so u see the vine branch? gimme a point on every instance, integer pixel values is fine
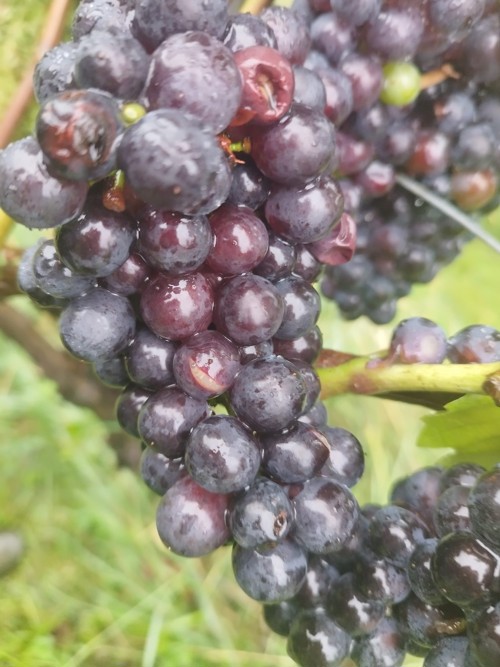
(406, 382)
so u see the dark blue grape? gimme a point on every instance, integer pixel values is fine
(270, 573)
(190, 519)
(54, 278)
(315, 640)
(97, 242)
(149, 154)
(158, 472)
(268, 394)
(166, 419)
(54, 72)
(221, 455)
(294, 456)
(260, 514)
(149, 360)
(97, 325)
(30, 195)
(325, 515)
(155, 20)
(193, 72)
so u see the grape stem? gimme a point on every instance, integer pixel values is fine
(448, 209)
(362, 376)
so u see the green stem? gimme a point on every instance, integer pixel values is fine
(355, 377)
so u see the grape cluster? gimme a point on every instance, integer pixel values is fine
(419, 576)
(194, 207)
(372, 58)
(200, 169)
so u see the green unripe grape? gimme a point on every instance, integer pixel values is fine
(131, 112)
(401, 83)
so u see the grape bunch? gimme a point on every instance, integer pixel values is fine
(201, 169)
(412, 88)
(194, 207)
(419, 576)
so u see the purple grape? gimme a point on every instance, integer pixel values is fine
(249, 187)
(332, 35)
(291, 32)
(245, 30)
(319, 580)
(248, 309)
(149, 155)
(221, 455)
(395, 34)
(149, 360)
(128, 406)
(172, 242)
(279, 259)
(206, 364)
(325, 515)
(251, 352)
(297, 149)
(305, 215)
(315, 640)
(111, 61)
(420, 573)
(309, 89)
(379, 580)
(30, 195)
(272, 572)
(160, 473)
(476, 344)
(166, 419)
(112, 372)
(294, 456)
(78, 132)
(53, 277)
(448, 652)
(354, 614)
(465, 571)
(97, 325)
(305, 348)
(384, 647)
(155, 20)
(418, 340)
(101, 15)
(461, 474)
(54, 72)
(306, 265)
(176, 308)
(302, 307)
(346, 460)
(190, 519)
(268, 394)
(339, 94)
(424, 625)
(129, 278)
(260, 514)
(27, 281)
(97, 242)
(394, 534)
(194, 73)
(451, 512)
(240, 242)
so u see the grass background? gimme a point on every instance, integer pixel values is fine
(95, 586)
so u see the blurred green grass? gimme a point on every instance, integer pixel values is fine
(96, 587)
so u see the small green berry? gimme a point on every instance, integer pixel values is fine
(401, 83)
(132, 112)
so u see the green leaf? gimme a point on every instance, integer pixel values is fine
(469, 425)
